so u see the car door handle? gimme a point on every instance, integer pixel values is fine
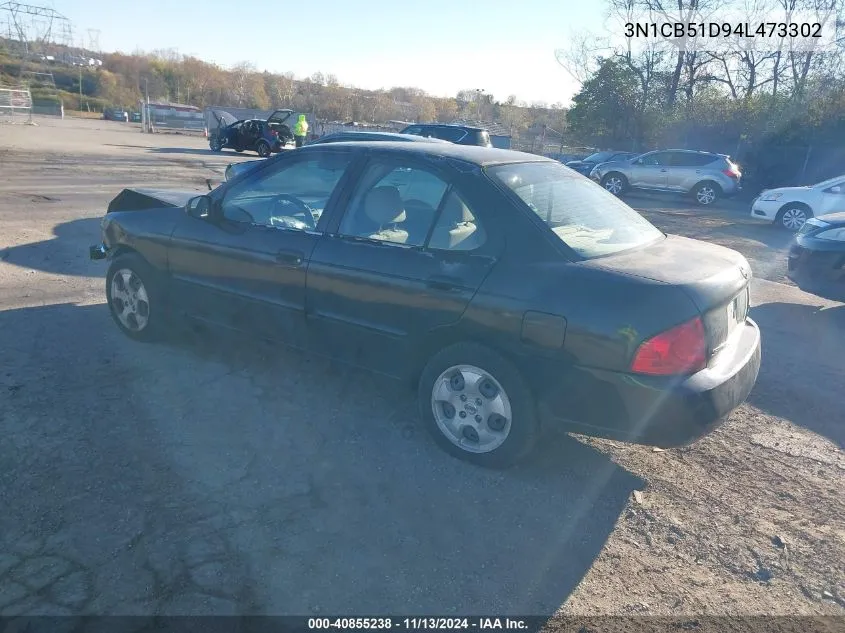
(292, 258)
(441, 282)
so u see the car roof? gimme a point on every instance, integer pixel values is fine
(386, 135)
(454, 125)
(474, 154)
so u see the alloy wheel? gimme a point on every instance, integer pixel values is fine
(130, 301)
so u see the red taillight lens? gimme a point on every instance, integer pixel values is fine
(681, 350)
(731, 173)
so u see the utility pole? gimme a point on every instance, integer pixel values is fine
(80, 89)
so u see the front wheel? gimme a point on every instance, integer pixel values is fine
(793, 217)
(477, 407)
(133, 299)
(615, 183)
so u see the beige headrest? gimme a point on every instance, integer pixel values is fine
(383, 205)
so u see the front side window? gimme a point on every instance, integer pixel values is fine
(585, 217)
(291, 195)
(394, 203)
(655, 160)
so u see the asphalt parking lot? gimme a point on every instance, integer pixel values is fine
(216, 476)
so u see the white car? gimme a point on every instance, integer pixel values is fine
(790, 207)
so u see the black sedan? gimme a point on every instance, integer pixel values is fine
(514, 294)
(817, 256)
(585, 165)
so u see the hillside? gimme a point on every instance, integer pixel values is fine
(123, 80)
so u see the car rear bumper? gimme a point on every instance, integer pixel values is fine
(659, 411)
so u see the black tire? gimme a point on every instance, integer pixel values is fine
(792, 216)
(615, 183)
(263, 149)
(154, 310)
(239, 149)
(216, 145)
(706, 193)
(524, 424)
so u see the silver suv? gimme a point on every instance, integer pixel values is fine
(705, 175)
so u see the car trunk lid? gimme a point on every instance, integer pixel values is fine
(715, 278)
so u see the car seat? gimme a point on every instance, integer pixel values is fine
(383, 206)
(456, 229)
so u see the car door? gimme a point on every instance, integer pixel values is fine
(831, 199)
(244, 266)
(405, 258)
(650, 171)
(682, 168)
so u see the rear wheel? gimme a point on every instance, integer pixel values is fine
(706, 193)
(216, 145)
(792, 217)
(615, 183)
(477, 407)
(263, 149)
(133, 297)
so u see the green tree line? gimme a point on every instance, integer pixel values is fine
(777, 107)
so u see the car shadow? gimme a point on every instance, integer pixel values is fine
(64, 254)
(314, 481)
(803, 348)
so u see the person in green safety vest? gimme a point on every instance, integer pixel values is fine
(300, 130)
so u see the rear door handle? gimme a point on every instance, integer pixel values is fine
(291, 258)
(442, 282)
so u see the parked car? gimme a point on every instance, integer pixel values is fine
(135, 117)
(263, 136)
(115, 114)
(790, 207)
(513, 293)
(585, 165)
(817, 256)
(704, 175)
(339, 137)
(459, 134)
(236, 169)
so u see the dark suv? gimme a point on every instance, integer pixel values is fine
(459, 134)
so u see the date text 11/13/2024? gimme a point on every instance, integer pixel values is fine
(419, 623)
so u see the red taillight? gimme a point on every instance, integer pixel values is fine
(681, 350)
(732, 173)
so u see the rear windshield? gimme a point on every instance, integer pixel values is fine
(585, 217)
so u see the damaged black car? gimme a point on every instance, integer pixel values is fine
(263, 136)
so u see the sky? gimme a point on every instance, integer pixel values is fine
(502, 47)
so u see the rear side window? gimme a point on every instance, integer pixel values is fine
(416, 130)
(585, 217)
(452, 134)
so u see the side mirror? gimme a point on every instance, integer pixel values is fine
(199, 207)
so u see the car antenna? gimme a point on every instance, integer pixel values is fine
(208, 182)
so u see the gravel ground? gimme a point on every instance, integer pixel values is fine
(212, 475)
